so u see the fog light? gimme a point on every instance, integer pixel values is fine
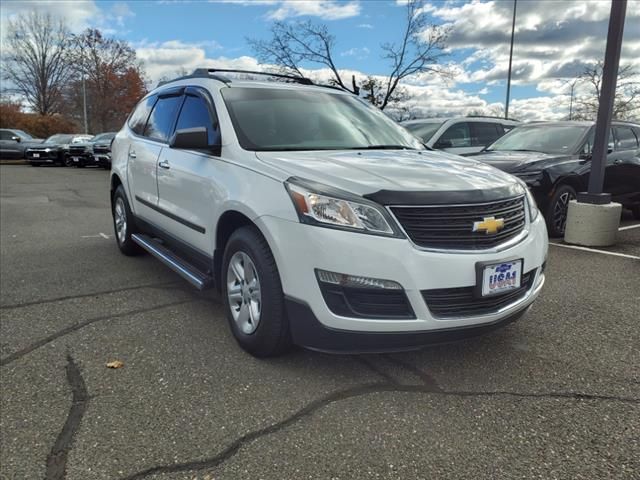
(355, 281)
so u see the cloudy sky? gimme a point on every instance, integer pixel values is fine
(554, 40)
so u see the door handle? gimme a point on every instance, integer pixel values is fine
(164, 164)
(132, 154)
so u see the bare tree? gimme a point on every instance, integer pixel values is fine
(374, 91)
(292, 44)
(626, 103)
(37, 65)
(419, 51)
(103, 63)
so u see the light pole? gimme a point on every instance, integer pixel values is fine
(593, 219)
(513, 32)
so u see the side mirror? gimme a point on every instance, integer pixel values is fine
(610, 148)
(196, 138)
(16, 139)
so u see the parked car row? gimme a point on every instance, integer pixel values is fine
(62, 149)
(552, 158)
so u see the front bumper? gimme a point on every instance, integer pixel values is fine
(300, 249)
(42, 156)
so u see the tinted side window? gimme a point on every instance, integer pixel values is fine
(160, 123)
(485, 134)
(138, 119)
(195, 113)
(588, 146)
(625, 139)
(457, 135)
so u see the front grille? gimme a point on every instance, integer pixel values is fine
(101, 149)
(451, 226)
(366, 302)
(75, 150)
(462, 301)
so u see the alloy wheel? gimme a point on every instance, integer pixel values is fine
(120, 219)
(244, 293)
(560, 210)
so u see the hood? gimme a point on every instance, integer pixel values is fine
(363, 172)
(511, 161)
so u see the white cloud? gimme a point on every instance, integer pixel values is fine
(359, 53)
(325, 9)
(365, 25)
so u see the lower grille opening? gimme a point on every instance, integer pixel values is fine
(347, 300)
(462, 302)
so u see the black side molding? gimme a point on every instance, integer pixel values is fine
(392, 197)
(178, 219)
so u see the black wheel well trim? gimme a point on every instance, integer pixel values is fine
(115, 182)
(573, 181)
(229, 222)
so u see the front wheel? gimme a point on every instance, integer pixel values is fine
(252, 294)
(556, 215)
(68, 162)
(124, 224)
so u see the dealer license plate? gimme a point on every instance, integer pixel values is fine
(501, 277)
(36, 155)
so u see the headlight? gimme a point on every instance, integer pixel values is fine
(321, 205)
(47, 150)
(531, 202)
(530, 178)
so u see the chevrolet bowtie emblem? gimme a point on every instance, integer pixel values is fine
(489, 225)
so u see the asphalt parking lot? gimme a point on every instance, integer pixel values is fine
(555, 395)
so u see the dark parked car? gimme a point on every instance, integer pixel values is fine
(79, 152)
(53, 150)
(102, 149)
(554, 160)
(13, 143)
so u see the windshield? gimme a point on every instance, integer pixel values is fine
(541, 138)
(23, 135)
(58, 138)
(424, 130)
(103, 137)
(273, 119)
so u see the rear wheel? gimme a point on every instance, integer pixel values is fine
(124, 224)
(253, 296)
(636, 212)
(556, 215)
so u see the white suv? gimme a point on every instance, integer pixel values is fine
(460, 135)
(322, 222)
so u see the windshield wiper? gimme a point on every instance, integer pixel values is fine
(382, 147)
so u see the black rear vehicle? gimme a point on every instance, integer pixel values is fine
(51, 151)
(102, 149)
(554, 160)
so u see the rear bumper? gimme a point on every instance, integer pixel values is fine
(308, 332)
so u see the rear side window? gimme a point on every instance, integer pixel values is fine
(457, 135)
(195, 113)
(625, 139)
(163, 116)
(138, 118)
(485, 133)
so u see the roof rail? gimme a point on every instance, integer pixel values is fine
(197, 73)
(295, 78)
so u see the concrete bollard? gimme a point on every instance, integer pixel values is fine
(592, 225)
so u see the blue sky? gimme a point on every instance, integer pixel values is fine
(554, 40)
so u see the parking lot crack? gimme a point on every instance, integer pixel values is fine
(77, 326)
(57, 458)
(353, 392)
(85, 295)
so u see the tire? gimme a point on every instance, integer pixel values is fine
(121, 211)
(258, 323)
(636, 211)
(556, 215)
(68, 162)
(35, 164)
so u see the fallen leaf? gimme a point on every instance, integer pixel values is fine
(115, 364)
